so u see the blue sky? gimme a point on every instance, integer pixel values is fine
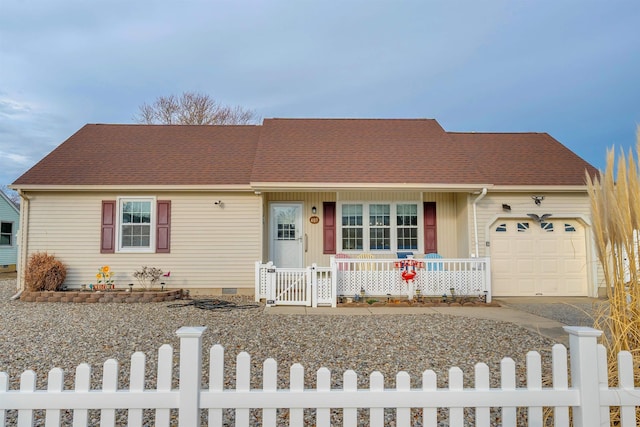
(570, 68)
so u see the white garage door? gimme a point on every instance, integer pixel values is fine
(545, 258)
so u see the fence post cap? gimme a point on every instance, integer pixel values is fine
(582, 331)
(191, 331)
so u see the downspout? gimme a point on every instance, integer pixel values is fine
(475, 221)
(22, 242)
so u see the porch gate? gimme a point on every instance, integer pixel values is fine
(308, 286)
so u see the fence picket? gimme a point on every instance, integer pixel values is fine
(269, 383)
(165, 373)
(403, 415)
(323, 415)
(376, 384)
(534, 382)
(560, 380)
(429, 383)
(243, 383)
(350, 384)
(216, 381)
(456, 383)
(296, 375)
(109, 384)
(55, 384)
(83, 376)
(625, 382)
(4, 387)
(27, 384)
(136, 383)
(603, 378)
(508, 383)
(482, 384)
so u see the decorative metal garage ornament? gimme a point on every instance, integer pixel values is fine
(537, 218)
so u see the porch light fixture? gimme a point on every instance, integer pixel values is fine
(218, 203)
(506, 207)
(537, 199)
(314, 210)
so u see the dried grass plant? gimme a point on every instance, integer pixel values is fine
(615, 214)
(44, 273)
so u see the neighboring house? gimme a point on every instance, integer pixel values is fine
(206, 202)
(9, 221)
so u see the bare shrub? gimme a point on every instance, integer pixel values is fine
(44, 273)
(147, 277)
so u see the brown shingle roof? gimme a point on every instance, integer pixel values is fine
(360, 151)
(149, 155)
(393, 151)
(523, 159)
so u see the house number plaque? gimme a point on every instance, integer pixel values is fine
(314, 220)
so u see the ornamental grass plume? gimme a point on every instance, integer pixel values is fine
(615, 214)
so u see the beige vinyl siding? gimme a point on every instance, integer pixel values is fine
(462, 225)
(211, 246)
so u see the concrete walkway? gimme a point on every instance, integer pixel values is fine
(507, 312)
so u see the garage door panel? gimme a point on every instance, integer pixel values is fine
(525, 247)
(524, 287)
(548, 286)
(549, 266)
(525, 267)
(575, 266)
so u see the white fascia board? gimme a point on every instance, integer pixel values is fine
(93, 188)
(539, 188)
(338, 186)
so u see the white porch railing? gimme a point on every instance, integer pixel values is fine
(348, 277)
(433, 276)
(589, 395)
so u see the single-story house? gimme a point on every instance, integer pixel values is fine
(9, 221)
(207, 202)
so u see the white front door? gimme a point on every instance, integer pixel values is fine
(287, 237)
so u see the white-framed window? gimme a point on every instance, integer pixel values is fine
(380, 226)
(136, 224)
(6, 233)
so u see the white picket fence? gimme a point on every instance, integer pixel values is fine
(589, 395)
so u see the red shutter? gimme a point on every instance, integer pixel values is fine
(108, 234)
(329, 227)
(163, 227)
(430, 231)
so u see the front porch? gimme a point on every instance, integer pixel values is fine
(365, 278)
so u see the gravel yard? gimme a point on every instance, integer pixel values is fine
(41, 336)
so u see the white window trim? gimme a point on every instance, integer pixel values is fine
(12, 234)
(153, 225)
(394, 228)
